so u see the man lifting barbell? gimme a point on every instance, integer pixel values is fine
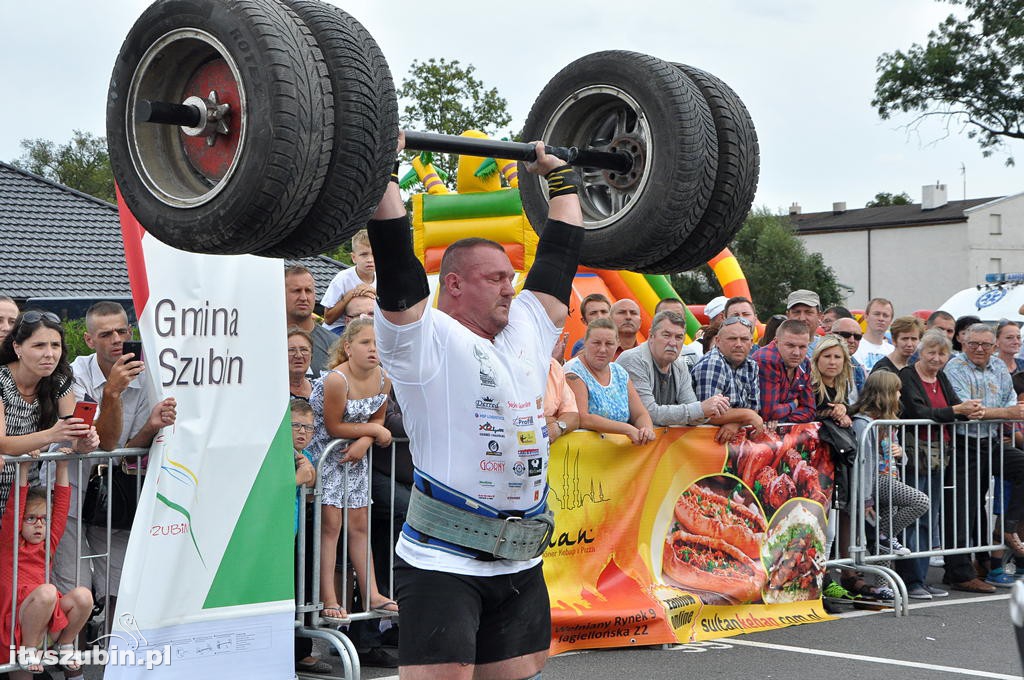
(470, 376)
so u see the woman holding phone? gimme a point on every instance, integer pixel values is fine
(36, 397)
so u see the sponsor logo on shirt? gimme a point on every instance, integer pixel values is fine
(524, 421)
(486, 367)
(515, 485)
(528, 437)
(519, 404)
(544, 431)
(526, 453)
(492, 466)
(538, 482)
(540, 402)
(519, 468)
(514, 498)
(489, 416)
(485, 496)
(485, 483)
(536, 465)
(487, 404)
(493, 449)
(486, 429)
(536, 495)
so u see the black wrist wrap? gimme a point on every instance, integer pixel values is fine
(563, 181)
(558, 256)
(394, 172)
(401, 279)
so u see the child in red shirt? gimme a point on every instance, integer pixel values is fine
(41, 607)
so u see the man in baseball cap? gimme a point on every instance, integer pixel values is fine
(805, 305)
(714, 309)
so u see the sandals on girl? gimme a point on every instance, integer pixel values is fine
(340, 617)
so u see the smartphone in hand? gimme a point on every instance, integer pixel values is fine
(86, 410)
(133, 347)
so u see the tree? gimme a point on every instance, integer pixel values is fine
(884, 198)
(444, 97)
(81, 163)
(969, 74)
(774, 262)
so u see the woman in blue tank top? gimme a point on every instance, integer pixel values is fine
(605, 395)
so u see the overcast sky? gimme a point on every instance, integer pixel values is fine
(804, 68)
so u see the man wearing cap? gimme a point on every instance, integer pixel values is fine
(715, 310)
(805, 305)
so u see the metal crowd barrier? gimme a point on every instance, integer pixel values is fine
(308, 622)
(83, 464)
(961, 452)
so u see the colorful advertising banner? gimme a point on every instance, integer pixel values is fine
(207, 584)
(685, 539)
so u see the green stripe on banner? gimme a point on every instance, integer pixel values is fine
(467, 206)
(663, 289)
(259, 562)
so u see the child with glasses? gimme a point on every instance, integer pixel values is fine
(41, 607)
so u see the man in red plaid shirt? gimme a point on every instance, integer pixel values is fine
(784, 374)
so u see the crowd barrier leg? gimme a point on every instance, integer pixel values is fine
(346, 651)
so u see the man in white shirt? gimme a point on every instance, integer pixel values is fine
(873, 346)
(471, 376)
(127, 418)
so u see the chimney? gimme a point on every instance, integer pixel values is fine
(933, 196)
(795, 209)
(839, 207)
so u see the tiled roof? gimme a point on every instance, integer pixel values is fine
(58, 242)
(884, 217)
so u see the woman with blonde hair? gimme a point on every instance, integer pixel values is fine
(832, 379)
(349, 402)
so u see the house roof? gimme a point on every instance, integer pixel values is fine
(885, 217)
(59, 242)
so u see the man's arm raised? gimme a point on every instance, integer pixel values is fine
(558, 252)
(402, 289)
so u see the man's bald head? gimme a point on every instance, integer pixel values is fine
(850, 331)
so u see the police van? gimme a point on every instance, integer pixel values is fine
(1000, 297)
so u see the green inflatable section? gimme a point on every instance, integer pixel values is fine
(663, 289)
(469, 206)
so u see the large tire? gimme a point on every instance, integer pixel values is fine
(365, 132)
(633, 102)
(255, 184)
(735, 183)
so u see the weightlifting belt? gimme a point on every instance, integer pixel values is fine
(504, 536)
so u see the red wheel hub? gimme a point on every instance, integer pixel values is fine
(213, 162)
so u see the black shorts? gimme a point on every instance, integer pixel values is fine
(451, 618)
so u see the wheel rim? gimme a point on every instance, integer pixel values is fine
(180, 170)
(604, 118)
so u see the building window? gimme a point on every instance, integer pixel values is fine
(995, 225)
(995, 265)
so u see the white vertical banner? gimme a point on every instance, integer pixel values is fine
(207, 585)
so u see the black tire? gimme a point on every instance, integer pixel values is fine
(735, 183)
(660, 204)
(282, 124)
(365, 132)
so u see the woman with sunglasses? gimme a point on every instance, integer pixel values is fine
(37, 396)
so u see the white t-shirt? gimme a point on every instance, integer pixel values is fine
(474, 412)
(868, 353)
(343, 282)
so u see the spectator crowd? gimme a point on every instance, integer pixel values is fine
(811, 365)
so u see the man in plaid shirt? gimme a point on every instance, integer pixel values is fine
(784, 373)
(728, 370)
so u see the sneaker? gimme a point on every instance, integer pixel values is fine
(892, 546)
(1000, 579)
(918, 592)
(936, 591)
(936, 561)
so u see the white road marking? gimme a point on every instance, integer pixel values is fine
(873, 659)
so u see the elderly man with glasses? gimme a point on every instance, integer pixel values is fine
(728, 370)
(977, 374)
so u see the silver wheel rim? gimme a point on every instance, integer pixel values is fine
(156, 151)
(604, 118)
